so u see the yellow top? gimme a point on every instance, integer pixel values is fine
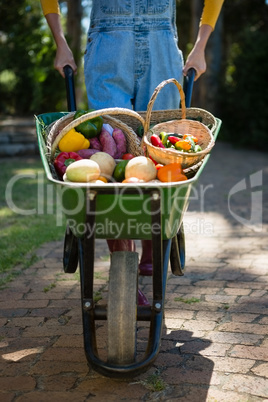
(50, 6)
(210, 13)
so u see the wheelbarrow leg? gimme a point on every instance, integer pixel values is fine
(161, 255)
(177, 253)
(86, 263)
(70, 252)
(127, 366)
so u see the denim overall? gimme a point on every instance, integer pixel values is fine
(131, 48)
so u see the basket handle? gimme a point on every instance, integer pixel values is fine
(154, 96)
(103, 112)
(91, 115)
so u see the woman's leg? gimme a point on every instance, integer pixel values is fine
(146, 265)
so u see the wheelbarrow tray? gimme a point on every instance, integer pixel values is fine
(122, 211)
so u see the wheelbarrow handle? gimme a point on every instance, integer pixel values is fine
(188, 86)
(70, 91)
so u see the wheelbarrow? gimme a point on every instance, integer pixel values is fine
(145, 211)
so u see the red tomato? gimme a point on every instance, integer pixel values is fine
(127, 156)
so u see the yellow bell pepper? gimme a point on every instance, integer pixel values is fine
(73, 142)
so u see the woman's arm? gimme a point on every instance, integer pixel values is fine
(196, 58)
(64, 55)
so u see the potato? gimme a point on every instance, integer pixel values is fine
(106, 163)
(87, 153)
(95, 144)
(108, 143)
(141, 167)
(83, 171)
(121, 143)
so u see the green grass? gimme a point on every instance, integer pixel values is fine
(27, 213)
(187, 301)
(49, 287)
(154, 383)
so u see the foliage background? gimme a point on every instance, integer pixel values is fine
(233, 88)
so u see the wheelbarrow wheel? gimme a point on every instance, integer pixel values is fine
(122, 307)
(177, 253)
(70, 252)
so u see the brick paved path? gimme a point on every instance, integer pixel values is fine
(214, 343)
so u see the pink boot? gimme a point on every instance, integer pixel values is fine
(146, 265)
(142, 300)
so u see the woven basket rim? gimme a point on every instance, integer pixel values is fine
(174, 152)
(131, 136)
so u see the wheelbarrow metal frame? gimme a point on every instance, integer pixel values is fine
(165, 247)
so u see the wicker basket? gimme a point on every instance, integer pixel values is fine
(62, 126)
(183, 126)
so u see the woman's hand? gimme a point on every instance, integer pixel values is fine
(64, 57)
(196, 58)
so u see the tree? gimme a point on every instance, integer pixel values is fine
(243, 94)
(76, 11)
(28, 82)
(74, 28)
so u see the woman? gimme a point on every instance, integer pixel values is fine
(131, 48)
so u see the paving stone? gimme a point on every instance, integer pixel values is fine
(19, 383)
(222, 364)
(205, 348)
(7, 397)
(58, 383)
(247, 384)
(70, 354)
(250, 352)
(195, 325)
(261, 370)
(24, 304)
(237, 292)
(248, 285)
(69, 341)
(215, 395)
(182, 314)
(233, 338)
(52, 330)
(264, 320)
(244, 328)
(202, 376)
(23, 322)
(55, 396)
(209, 316)
(52, 367)
(245, 318)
